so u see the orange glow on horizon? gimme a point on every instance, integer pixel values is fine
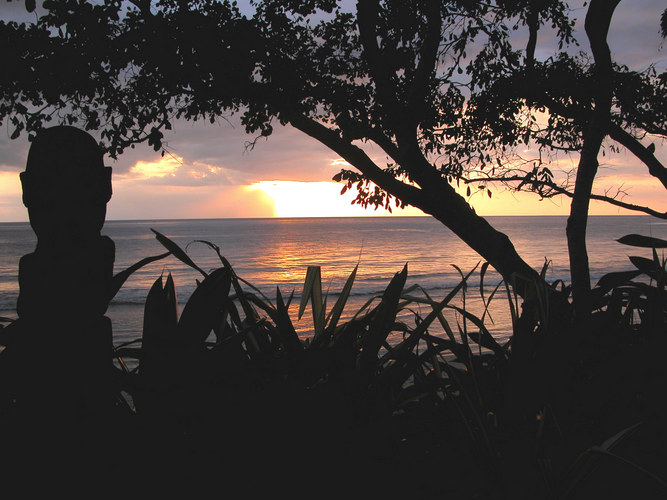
(319, 199)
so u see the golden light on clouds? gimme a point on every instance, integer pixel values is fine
(166, 165)
(339, 162)
(175, 168)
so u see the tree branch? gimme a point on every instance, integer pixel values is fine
(427, 62)
(533, 24)
(560, 190)
(355, 156)
(367, 12)
(655, 168)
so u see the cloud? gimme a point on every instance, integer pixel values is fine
(171, 170)
(634, 35)
(287, 154)
(13, 153)
(134, 201)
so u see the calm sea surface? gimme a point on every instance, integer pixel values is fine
(277, 252)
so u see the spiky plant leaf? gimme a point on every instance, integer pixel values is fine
(402, 353)
(382, 321)
(646, 266)
(201, 312)
(337, 310)
(284, 323)
(280, 316)
(312, 290)
(160, 317)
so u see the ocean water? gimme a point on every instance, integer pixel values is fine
(272, 253)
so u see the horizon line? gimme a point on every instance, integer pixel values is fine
(156, 219)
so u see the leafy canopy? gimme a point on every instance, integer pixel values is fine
(447, 78)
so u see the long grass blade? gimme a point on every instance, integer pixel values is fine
(482, 273)
(177, 251)
(226, 264)
(486, 311)
(485, 338)
(512, 306)
(460, 285)
(119, 279)
(441, 317)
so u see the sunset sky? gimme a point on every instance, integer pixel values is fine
(209, 173)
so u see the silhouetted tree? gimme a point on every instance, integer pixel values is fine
(582, 104)
(439, 86)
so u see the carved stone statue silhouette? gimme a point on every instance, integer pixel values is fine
(66, 188)
(59, 364)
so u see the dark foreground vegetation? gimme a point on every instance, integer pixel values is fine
(228, 396)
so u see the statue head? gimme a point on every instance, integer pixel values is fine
(65, 185)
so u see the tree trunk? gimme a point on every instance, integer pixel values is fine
(577, 222)
(598, 19)
(446, 205)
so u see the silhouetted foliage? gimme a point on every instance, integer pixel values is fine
(436, 404)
